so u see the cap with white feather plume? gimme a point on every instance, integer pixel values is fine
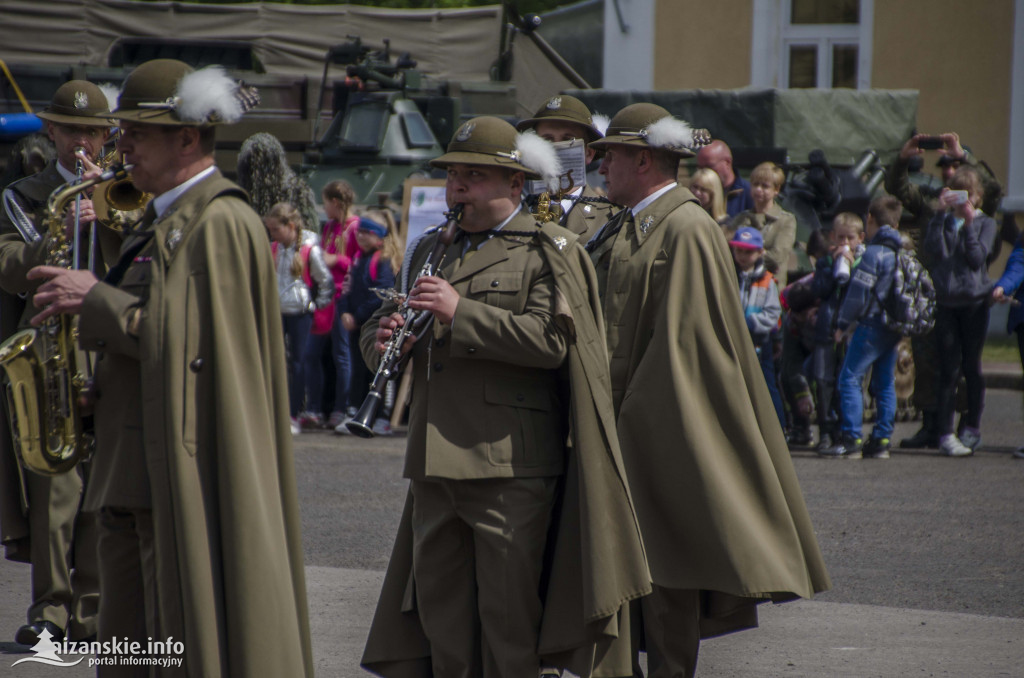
(651, 125)
(488, 140)
(170, 92)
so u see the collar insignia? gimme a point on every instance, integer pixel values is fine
(560, 242)
(465, 132)
(586, 208)
(646, 223)
(81, 100)
(173, 239)
(554, 103)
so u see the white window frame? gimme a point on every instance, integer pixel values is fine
(774, 35)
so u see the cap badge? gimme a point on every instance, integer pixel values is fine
(646, 223)
(554, 103)
(81, 100)
(465, 132)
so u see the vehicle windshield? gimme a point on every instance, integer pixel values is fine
(364, 125)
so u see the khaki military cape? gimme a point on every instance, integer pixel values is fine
(586, 217)
(711, 475)
(229, 569)
(595, 562)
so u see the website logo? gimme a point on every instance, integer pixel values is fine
(161, 653)
(46, 652)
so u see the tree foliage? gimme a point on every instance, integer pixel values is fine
(522, 6)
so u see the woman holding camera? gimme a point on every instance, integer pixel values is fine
(958, 241)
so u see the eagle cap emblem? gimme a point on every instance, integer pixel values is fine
(465, 132)
(554, 103)
(81, 100)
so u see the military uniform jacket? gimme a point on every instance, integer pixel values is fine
(596, 559)
(710, 472)
(197, 311)
(585, 218)
(485, 396)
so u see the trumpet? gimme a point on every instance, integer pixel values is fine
(118, 203)
(416, 322)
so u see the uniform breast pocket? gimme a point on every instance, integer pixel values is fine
(137, 278)
(498, 288)
(531, 412)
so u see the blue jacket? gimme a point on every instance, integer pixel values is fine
(871, 280)
(1011, 281)
(825, 287)
(959, 258)
(759, 296)
(361, 301)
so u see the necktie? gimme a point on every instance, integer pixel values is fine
(141, 235)
(611, 228)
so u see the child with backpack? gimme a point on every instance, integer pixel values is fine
(830, 283)
(300, 266)
(958, 241)
(379, 257)
(872, 344)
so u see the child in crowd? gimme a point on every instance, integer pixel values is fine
(831, 280)
(1009, 290)
(380, 256)
(759, 297)
(298, 265)
(799, 314)
(872, 345)
(958, 241)
(338, 244)
(777, 226)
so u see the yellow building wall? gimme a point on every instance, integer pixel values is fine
(702, 45)
(958, 55)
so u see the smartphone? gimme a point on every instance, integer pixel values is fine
(930, 143)
(958, 197)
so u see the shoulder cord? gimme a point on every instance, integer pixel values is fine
(19, 218)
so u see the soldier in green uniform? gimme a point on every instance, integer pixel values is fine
(193, 477)
(488, 455)
(564, 118)
(721, 512)
(40, 518)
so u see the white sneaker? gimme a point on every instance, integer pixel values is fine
(971, 437)
(951, 446)
(381, 427)
(296, 427)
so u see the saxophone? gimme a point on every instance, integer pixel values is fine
(40, 365)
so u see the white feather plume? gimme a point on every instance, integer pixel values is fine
(601, 122)
(670, 132)
(112, 94)
(208, 95)
(540, 156)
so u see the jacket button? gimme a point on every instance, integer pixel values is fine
(196, 365)
(438, 367)
(471, 350)
(495, 283)
(101, 343)
(439, 342)
(520, 397)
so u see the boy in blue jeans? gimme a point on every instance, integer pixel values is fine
(873, 344)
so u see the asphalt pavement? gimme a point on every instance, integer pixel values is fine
(925, 554)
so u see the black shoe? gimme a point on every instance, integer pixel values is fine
(29, 633)
(926, 438)
(824, 442)
(800, 436)
(848, 447)
(876, 448)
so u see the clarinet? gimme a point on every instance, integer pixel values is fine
(415, 323)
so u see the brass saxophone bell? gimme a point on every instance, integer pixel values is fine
(117, 202)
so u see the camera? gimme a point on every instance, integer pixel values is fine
(930, 143)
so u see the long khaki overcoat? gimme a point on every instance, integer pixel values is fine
(216, 436)
(595, 557)
(711, 476)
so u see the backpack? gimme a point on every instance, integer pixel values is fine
(909, 308)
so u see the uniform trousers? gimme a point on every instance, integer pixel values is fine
(127, 584)
(65, 584)
(668, 621)
(478, 551)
